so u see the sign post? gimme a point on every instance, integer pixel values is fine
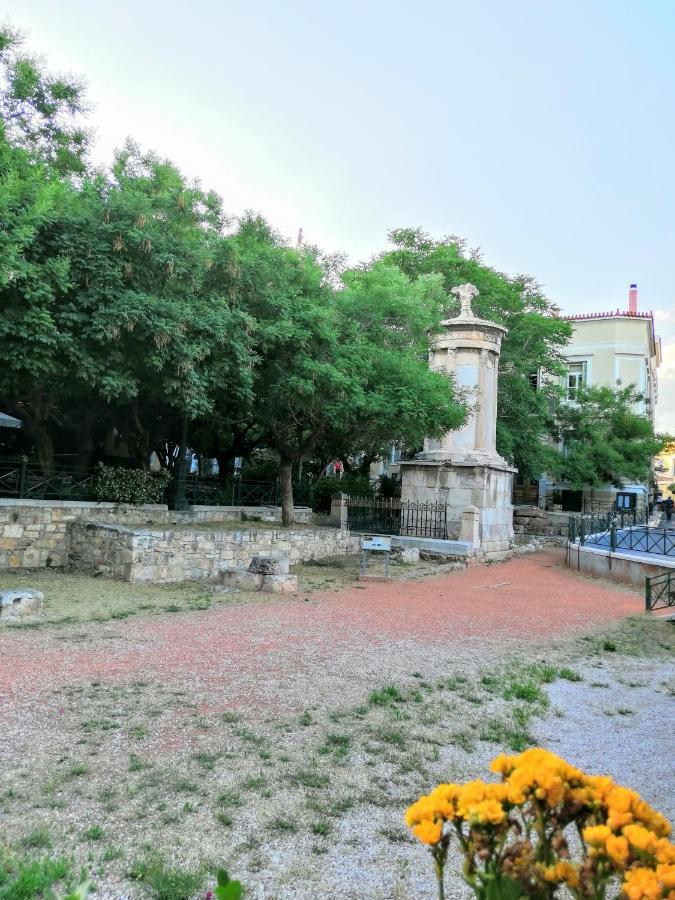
(375, 543)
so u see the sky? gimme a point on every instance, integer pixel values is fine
(542, 131)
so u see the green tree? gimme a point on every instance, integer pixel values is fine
(604, 439)
(531, 350)
(41, 111)
(348, 363)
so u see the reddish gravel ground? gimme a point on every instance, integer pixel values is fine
(289, 651)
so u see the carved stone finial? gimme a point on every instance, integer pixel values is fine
(466, 293)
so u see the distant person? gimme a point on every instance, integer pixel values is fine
(668, 505)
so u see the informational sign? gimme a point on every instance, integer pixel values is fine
(376, 542)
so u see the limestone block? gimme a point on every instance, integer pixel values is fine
(269, 565)
(409, 555)
(23, 604)
(13, 531)
(242, 579)
(280, 584)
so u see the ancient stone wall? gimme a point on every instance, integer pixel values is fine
(35, 534)
(130, 554)
(533, 520)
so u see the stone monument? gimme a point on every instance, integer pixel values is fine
(463, 469)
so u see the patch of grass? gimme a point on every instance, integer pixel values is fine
(624, 711)
(111, 853)
(308, 778)
(305, 720)
(76, 770)
(395, 835)
(254, 783)
(230, 717)
(229, 799)
(94, 833)
(392, 736)
(464, 740)
(25, 879)
(609, 646)
(206, 760)
(386, 696)
(164, 882)
(136, 764)
(224, 819)
(282, 825)
(569, 674)
(321, 827)
(337, 744)
(38, 839)
(511, 733)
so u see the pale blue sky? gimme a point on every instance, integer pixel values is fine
(541, 131)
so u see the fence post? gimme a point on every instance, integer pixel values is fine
(582, 531)
(648, 593)
(612, 537)
(23, 478)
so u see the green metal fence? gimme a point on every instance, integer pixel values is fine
(23, 479)
(659, 591)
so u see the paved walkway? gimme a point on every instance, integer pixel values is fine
(299, 649)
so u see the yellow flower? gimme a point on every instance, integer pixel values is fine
(428, 832)
(642, 884)
(617, 849)
(596, 835)
(487, 812)
(640, 838)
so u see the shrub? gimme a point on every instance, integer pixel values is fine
(116, 485)
(514, 834)
(325, 488)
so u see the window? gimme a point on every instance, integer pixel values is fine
(626, 501)
(576, 379)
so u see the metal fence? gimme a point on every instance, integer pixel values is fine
(659, 591)
(580, 527)
(212, 490)
(23, 479)
(26, 480)
(393, 516)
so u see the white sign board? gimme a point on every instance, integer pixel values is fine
(376, 542)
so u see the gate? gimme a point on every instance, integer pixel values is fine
(659, 591)
(393, 516)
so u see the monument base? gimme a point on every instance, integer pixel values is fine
(461, 483)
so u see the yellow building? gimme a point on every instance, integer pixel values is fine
(608, 348)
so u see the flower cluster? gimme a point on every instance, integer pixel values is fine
(514, 840)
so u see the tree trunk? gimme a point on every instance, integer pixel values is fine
(85, 444)
(286, 479)
(44, 447)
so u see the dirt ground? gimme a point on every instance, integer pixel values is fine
(284, 738)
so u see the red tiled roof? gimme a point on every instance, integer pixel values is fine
(609, 315)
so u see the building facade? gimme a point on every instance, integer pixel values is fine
(608, 348)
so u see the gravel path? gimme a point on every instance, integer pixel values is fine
(248, 734)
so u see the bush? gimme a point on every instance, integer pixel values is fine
(325, 488)
(114, 485)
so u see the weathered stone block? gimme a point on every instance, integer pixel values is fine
(280, 584)
(269, 565)
(23, 604)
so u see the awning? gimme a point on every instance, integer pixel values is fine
(9, 421)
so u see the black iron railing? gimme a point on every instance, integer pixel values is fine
(659, 591)
(393, 516)
(23, 479)
(580, 527)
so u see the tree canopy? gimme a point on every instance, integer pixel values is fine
(129, 301)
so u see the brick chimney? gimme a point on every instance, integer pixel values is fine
(632, 299)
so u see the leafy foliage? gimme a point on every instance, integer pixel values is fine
(534, 342)
(116, 485)
(605, 440)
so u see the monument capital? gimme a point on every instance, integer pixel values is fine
(466, 293)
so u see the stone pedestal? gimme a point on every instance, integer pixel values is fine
(460, 486)
(463, 469)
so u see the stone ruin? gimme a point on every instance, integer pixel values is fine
(269, 574)
(21, 605)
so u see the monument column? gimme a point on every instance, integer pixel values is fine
(463, 469)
